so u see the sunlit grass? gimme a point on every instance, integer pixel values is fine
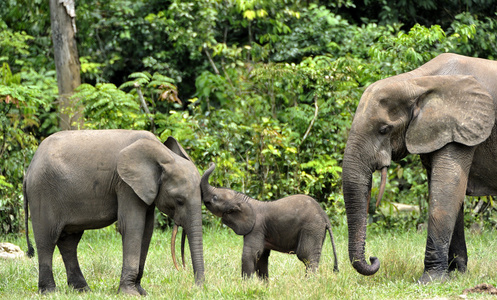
(401, 256)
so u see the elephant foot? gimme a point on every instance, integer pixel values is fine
(430, 276)
(80, 286)
(458, 265)
(46, 289)
(130, 290)
(83, 289)
(141, 290)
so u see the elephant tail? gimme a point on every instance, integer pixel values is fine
(31, 250)
(328, 228)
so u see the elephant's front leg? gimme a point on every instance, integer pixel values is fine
(147, 236)
(262, 265)
(448, 180)
(132, 215)
(458, 254)
(253, 247)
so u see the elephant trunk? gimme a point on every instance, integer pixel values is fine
(204, 181)
(194, 235)
(183, 237)
(207, 189)
(357, 178)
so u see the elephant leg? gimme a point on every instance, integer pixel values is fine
(253, 248)
(458, 254)
(132, 214)
(68, 244)
(147, 236)
(449, 173)
(309, 249)
(262, 265)
(45, 246)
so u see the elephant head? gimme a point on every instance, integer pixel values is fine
(401, 115)
(234, 208)
(167, 177)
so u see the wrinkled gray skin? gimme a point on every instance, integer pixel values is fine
(444, 111)
(81, 180)
(295, 225)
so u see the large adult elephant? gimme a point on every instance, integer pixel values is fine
(444, 111)
(81, 180)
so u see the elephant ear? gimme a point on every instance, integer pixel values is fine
(449, 108)
(173, 145)
(240, 218)
(139, 165)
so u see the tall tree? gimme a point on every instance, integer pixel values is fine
(63, 19)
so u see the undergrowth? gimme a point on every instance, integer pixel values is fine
(401, 255)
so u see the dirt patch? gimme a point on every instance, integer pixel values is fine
(481, 288)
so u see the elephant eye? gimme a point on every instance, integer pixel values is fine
(385, 129)
(214, 198)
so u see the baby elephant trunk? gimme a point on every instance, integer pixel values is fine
(207, 189)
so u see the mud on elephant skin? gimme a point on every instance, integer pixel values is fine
(295, 224)
(444, 111)
(89, 179)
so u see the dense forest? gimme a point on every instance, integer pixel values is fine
(265, 89)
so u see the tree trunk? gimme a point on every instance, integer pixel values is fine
(63, 19)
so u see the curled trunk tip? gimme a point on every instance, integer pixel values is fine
(363, 268)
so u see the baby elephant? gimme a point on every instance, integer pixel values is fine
(295, 225)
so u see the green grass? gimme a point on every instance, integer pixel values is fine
(401, 258)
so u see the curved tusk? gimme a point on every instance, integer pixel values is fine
(382, 185)
(173, 246)
(183, 238)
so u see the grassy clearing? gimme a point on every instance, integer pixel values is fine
(401, 258)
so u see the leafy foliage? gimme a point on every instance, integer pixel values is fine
(108, 107)
(22, 104)
(266, 89)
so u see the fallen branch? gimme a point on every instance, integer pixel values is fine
(211, 61)
(312, 121)
(144, 105)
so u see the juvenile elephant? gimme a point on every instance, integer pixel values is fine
(295, 225)
(445, 111)
(81, 180)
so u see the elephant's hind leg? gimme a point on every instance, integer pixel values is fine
(309, 250)
(45, 246)
(68, 244)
